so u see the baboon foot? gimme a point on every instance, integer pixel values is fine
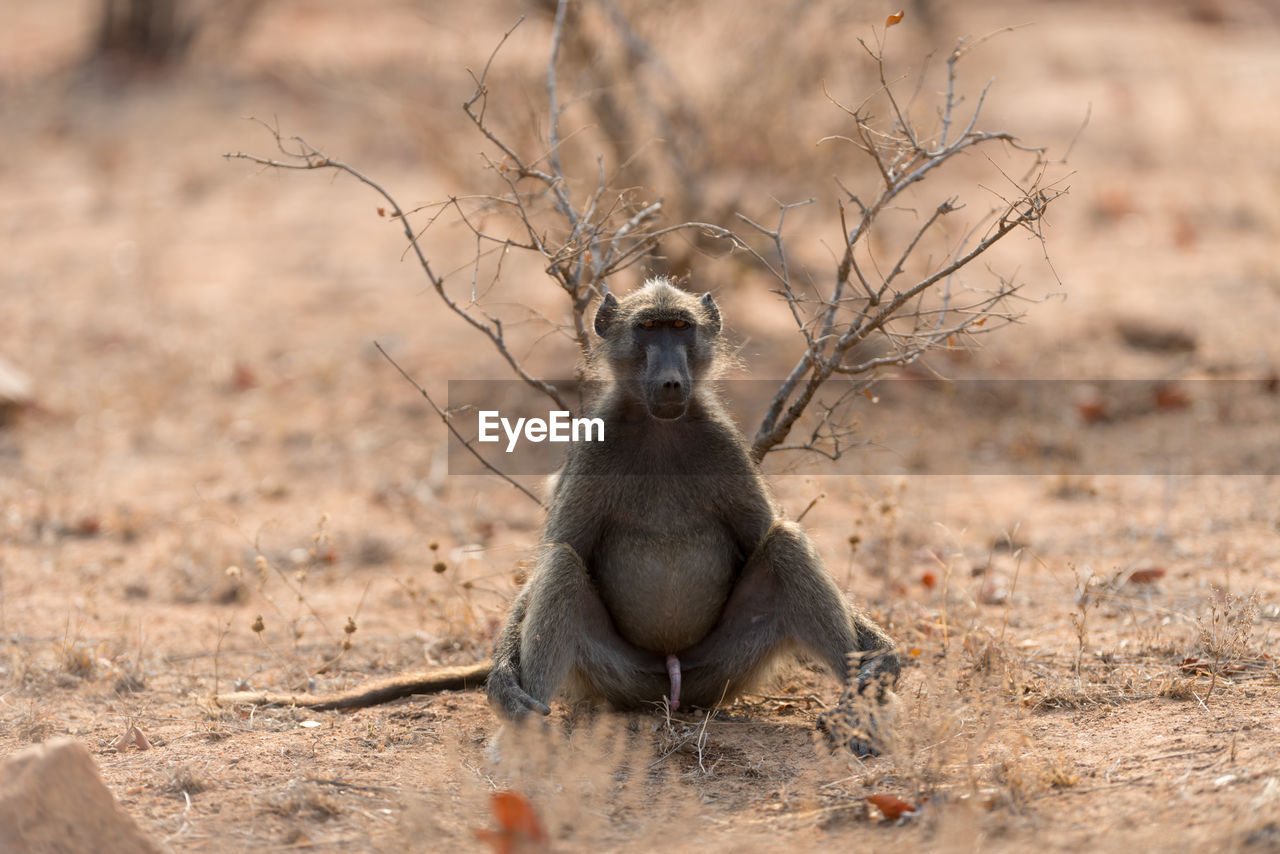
(862, 721)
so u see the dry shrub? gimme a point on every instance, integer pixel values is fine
(602, 777)
(901, 282)
(955, 717)
(185, 779)
(1226, 630)
(78, 658)
(303, 799)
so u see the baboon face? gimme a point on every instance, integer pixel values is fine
(658, 343)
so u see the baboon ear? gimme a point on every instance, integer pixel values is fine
(713, 313)
(605, 314)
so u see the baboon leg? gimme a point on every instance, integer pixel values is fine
(741, 646)
(785, 596)
(815, 613)
(506, 695)
(559, 625)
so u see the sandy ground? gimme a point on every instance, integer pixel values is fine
(213, 439)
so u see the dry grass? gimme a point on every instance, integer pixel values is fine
(185, 779)
(304, 800)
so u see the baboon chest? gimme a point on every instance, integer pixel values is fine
(665, 575)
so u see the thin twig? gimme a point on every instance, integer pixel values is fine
(310, 158)
(448, 422)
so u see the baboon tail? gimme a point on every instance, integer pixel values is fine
(372, 694)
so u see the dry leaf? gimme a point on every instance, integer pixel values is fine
(895, 18)
(519, 829)
(87, 526)
(1147, 576)
(1093, 410)
(929, 579)
(1169, 396)
(892, 806)
(133, 735)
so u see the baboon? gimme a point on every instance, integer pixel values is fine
(665, 568)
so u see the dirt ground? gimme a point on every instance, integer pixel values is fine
(213, 441)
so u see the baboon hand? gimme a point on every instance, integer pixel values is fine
(861, 720)
(511, 700)
(878, 674)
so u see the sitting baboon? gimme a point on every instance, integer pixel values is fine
(665, 569)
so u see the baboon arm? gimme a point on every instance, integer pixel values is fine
(748, 628)
(505, 691)
(559, 624)
(815, 612)
(372, 693)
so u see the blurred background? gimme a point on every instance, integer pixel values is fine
(187, 341)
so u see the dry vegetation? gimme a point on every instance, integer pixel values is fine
(219, 483)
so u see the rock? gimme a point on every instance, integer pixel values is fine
(15, 391)
(1144, 334)
(52, 801)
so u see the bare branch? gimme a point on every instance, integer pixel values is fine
(899, 316)
(870, 317)
(553, 108)
(942, 210)
(310, 158)
(448, 422)
(782, 274)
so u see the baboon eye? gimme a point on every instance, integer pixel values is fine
(679, 324)
(648, 324)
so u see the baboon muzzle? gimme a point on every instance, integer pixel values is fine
(669, 385)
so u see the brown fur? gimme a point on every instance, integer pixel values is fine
(371, 694)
